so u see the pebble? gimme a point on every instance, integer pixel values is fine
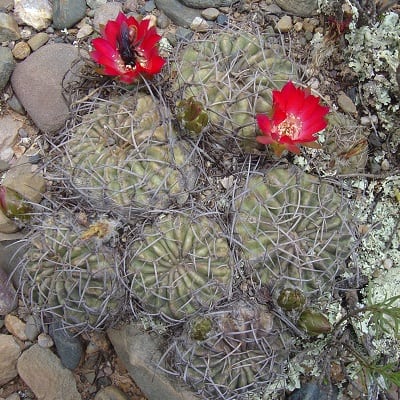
(9, 29)
(284, 24)
(32, 327)
(69, 347)
(21, 50)
(66, 13)
(9, 126)
(163, 21)
(199, 25)
(149, 6)
(93, 4)
(7, 65)
(346, 104)
(208, 3)
(35, 13)
(84, 30)
(110, 393)
(15, 326)
(302, 8)
(8, 295)
(104, 13)
(38, 40)
(10, 351)
(222, 19)
(210, 14)
(45, 340)
(177, 13)
(42, 371)
(16, 105)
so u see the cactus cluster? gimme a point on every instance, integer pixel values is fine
(232, 74)
(176, 258)
(71, 273)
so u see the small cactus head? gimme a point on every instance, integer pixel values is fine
(314, 322)
(179, 266)
(291, 299)
(191, 115)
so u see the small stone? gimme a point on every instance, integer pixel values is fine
(8, 295)
(346, 104)
(302, 8)
(21, 50)
(222, 19)
(298, 26)
(105, 13)
(149, 6)
(66, 13)
(199, 25)
(184, 34)
(32, 327)
(35, 13)
(7, 65)
(208, 3)
(15, 326)
(45, 341)
(385, 166)
(84, 31)
(9, 29)
(93, 4)
(10, 124)
(15, 105)
(163, 21)
(210, 14)
(26, 33)
(285, 24)
(110, 393)
(38, 40)
(10, 351)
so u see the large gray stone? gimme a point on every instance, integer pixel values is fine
(7, 65)
(303, 8)
(178, 13)
(208, 3)
(140, 353)
(37, 82)
(66, 13)
(42, 371)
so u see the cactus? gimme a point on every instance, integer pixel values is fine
(294, 230)
(245, 348)
(123, 158)
(68, 271)
(232, 74)
(179, 266)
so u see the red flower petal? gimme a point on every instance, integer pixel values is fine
(264, 123)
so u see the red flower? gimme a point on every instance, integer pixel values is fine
(297, 117)
(128, 49)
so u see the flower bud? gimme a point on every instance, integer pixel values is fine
(291, 299)
(200, 328)
(314, 322)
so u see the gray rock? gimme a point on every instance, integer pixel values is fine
(15, 326)
(303, 8)
(38, 40)
(149, 6)
(222, 19)
(37, 82)
(42, 371)
(7, 65)
(140, 353)
(163, 21)
(311, 391)
(110, 393)
(346, 103)
(105, 13)
(10, 124)
(69, 347)
(10, 351)
(6, 5)
(32, 327)
(208, 3)
(66, 13)
(8, 28)
(285, 24)
(95, 3)
(8, 295)
(35, 13)
(210, 14)
(16, 105)
(178, 13)
(199, 24)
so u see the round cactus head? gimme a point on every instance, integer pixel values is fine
(123, 157)
(293, 229)
(243, 349)
(231, 76)
(69, 272)
(180, 266)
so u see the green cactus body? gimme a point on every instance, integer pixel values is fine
(68, 272)
(180, 266)
(294, 230)
(232, 75)
(123, 158)
(242, 352)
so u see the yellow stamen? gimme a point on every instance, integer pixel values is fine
(291, 127)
